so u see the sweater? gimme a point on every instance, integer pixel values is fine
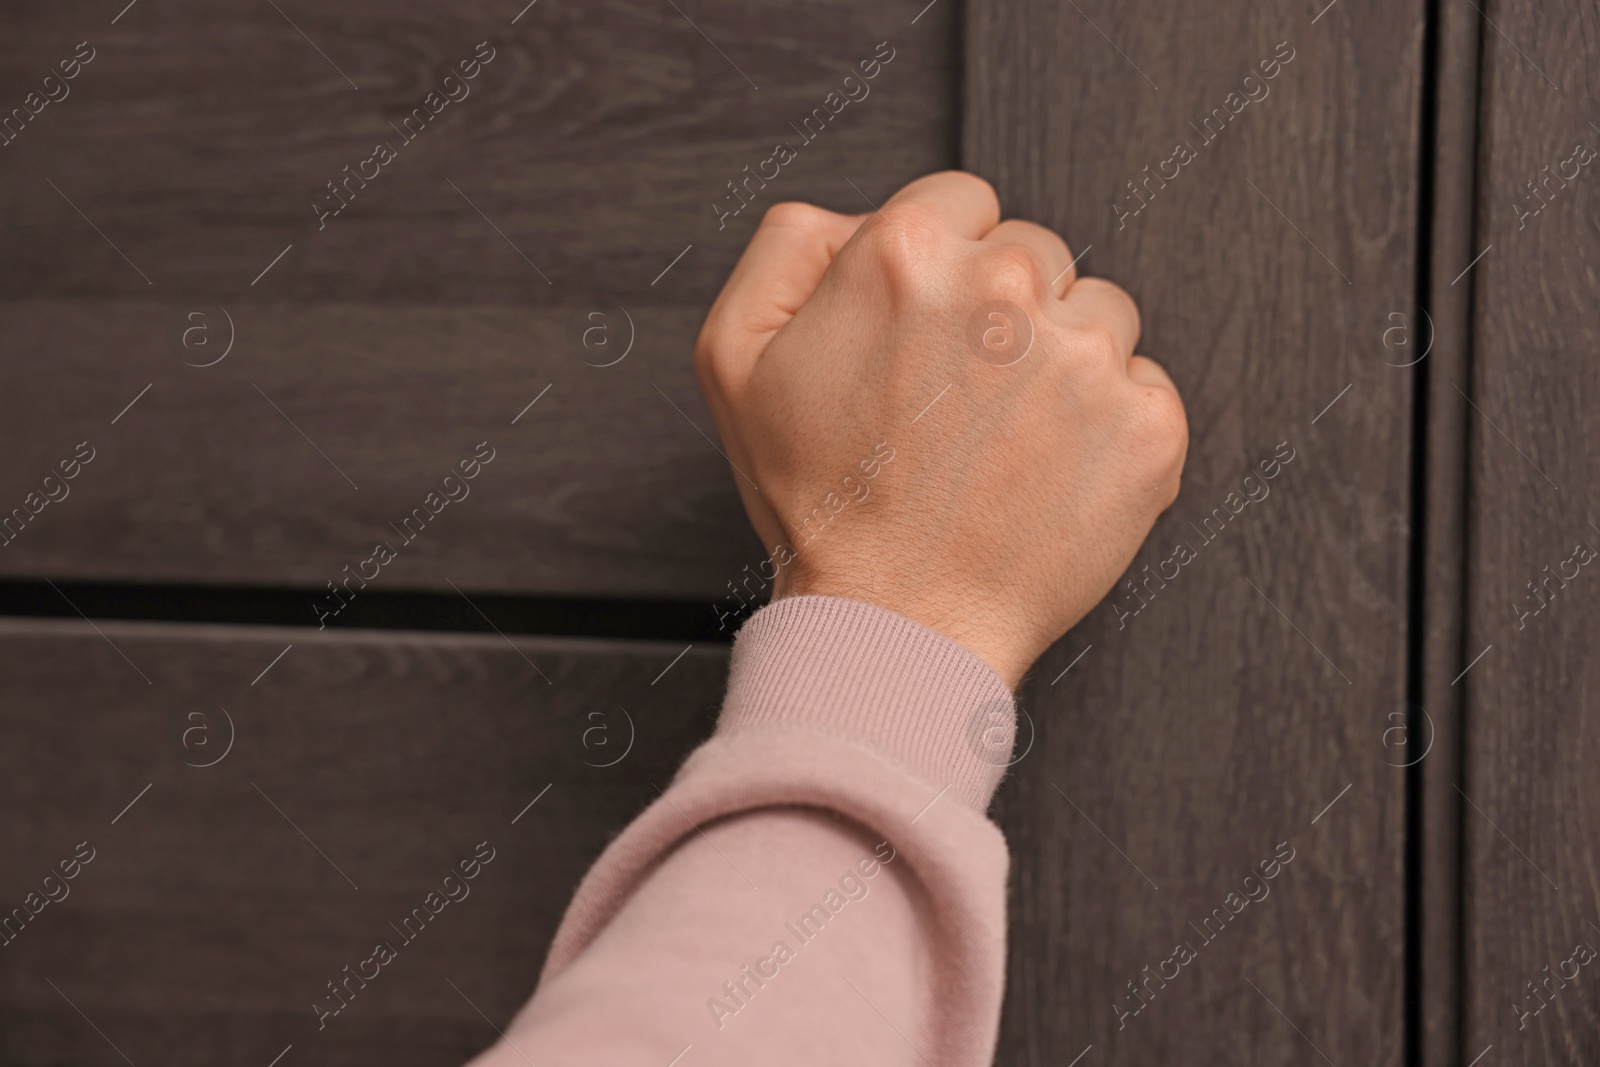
(819, 884)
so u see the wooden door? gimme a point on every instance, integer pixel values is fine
(1527, 797)
(264, 348)
(285, 283)
(1251, 177)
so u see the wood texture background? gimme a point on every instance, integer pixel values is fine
(206, 925)
(408, 330)
(1162, 760)
(1176, 753)
(1533, 744)
(396, 339)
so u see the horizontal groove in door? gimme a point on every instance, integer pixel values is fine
(474, 611)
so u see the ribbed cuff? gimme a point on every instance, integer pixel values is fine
(861, 671)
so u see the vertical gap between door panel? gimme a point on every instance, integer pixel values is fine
(1416, 564)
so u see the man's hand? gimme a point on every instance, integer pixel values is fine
(929, 411)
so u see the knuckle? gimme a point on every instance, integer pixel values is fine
(1159, 427)
(1010, 272)
(1116, 296)
(1117, 293)
(711, 360)
(1171, 488)
(793, 215)
(900, 242)
(980, 185)
(1097, 343)
(910, 221)
(706, 367)
(1030, 230)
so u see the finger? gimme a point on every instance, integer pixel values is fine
(1145, 371)
(964, 203)
(779, 271)
(1094, 303)
(1147, 374)
(1049, 249)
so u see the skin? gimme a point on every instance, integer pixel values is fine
(1015, 497)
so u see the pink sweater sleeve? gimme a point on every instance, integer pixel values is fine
(819, 884)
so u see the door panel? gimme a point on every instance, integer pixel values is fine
(1249, 173)
(452, 288)
(1531, 799)
(255, 816)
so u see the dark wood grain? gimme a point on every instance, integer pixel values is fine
(426, 315)
(1253, 688)
(1533, 816)
(207, 923)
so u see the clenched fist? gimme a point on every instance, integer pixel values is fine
(926, 409)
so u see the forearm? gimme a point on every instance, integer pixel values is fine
(819, 884)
